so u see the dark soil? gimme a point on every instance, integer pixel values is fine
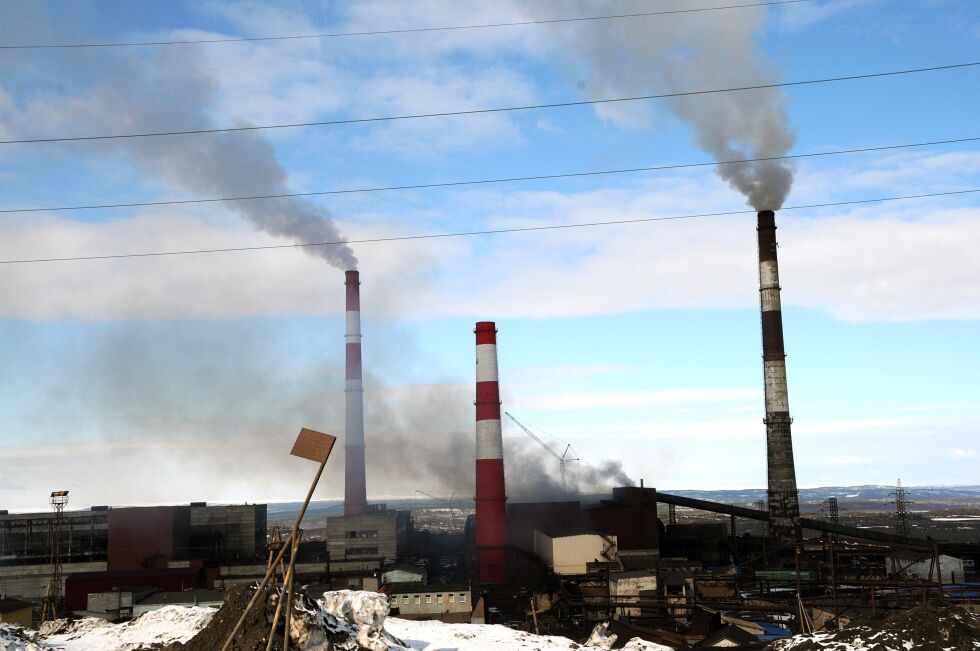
(253, 634)
(930, 627)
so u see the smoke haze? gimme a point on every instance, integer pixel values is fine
(174, 92)
(429, 440)
(679, 53)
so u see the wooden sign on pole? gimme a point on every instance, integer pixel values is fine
(315, 446)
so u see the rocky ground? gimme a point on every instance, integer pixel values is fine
(929, 627)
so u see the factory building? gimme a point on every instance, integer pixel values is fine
(630, 516)
(228, 533)
(25, 538)
(148, 537)
(568, 549)
(447, 603)
(127, 546)
(371, 536)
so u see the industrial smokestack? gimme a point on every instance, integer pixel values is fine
(491, 513)
(355, 490)
(784, 504)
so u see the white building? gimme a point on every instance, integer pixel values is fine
(567, 549)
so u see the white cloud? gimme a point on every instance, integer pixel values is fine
(889, 262)
(961, 453)
(797, 18)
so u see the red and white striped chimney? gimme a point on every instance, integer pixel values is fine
(491, 509)
(355, 488)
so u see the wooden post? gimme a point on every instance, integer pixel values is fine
(289, 598)
(309, 445)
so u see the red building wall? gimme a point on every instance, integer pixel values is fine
(148, 537)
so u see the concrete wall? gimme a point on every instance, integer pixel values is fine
(30, 582)
(629, 584)
(370, 535)
(569, 554)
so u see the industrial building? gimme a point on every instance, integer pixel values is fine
(568, 550)
(375, 535)
(448, 603)
(103, 548)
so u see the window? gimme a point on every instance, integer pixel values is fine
(452, 598)
(362, 551)
(428, 599)
(405, 599)
(418, 600)
(355, 535)
(462, 598)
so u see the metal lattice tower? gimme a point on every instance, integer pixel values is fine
(902, 525)
(50, 604)
(833, 510)
(671, 514)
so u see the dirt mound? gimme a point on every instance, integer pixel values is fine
(345, 621)
(927, 627)
(253, 634)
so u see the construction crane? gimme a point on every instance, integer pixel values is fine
(449, 504)
(563, 458)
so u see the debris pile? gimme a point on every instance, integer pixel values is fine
(930, 626)
(343, 621)
(601, 636)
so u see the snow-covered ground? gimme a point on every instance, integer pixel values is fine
(429, 636)
(177, 623)
(169, 624)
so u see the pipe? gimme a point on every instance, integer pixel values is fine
(491, 513)
(355, 490)
(784, 504)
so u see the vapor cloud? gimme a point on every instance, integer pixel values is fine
(686, 53)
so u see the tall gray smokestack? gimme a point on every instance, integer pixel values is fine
(784, 504)
(355, 489)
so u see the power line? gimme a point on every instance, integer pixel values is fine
(496, 231)
(502, 109)
(512, 179)
(386, 32)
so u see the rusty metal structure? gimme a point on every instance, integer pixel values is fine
(784, 504)
(355, 483)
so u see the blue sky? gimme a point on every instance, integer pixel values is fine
(171, 379)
